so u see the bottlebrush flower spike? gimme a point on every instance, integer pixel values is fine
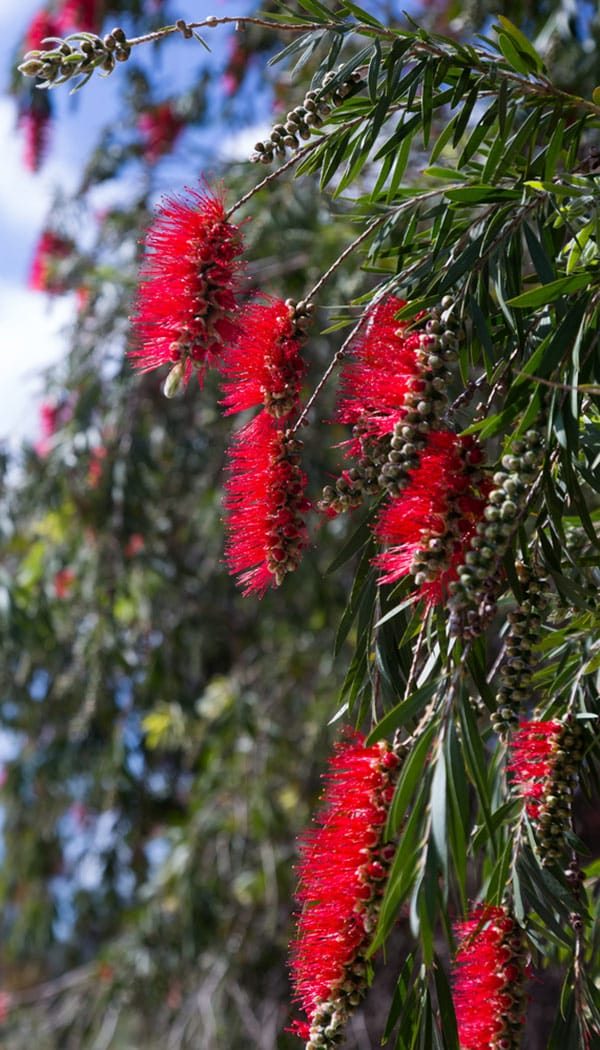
(34, 123)
(264, 365)
(265, 502)
(82, 15)
(42, 25)
(45, 274)
(189, 279)
(489, 978)
(544, 761)
(376, 379)
(343, 867)
(428, 526)
(160, 128)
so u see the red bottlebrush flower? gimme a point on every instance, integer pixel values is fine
(96, 466)
(533, 755)
(135, 545)
(42, 25)
(5, 1006)
(383, 367)
(160, 127)
(85, 15)
(237, 64)
(34, 122)
(63, 581)
(342, 871)
(490, 971)
(45, 275)
(264, 365)
(189, 278)
(429, 525)
(266, 503)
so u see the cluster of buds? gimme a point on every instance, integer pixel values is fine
(316, 107)
(523, 634)
(384, 460)
(80, 55)
(351, 487)
(472, 596)
(286, 529)
(435, 556)
(343, 871)
(301, 314)
(426, 400)
(544, 763)
(489, 986)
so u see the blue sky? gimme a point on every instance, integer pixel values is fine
(31, 323)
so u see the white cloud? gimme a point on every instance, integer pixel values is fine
(30, 341)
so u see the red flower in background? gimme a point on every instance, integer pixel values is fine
(489, 976)
(42, 25)
(45, 275)
(533, 753)
(34, 123)
(63, 581)
(96, 466)
(384, 366)
(264, 365)
(160, 127)
(342, 871)
(189, 278)
(266, 504)
(437, 513)
(85, 15)
(237, 65)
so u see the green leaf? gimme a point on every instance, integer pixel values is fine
(412, 771)
(520, 41)
(482, 194)
(515, 58)
(437, 803)
(548, 293)
(446, 1005)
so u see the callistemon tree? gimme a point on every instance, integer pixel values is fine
(466, 435)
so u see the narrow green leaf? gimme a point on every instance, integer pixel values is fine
(548, 293)
(521, 43)
(410, 776)
(515, 58)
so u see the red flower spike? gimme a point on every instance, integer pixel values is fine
(160, 128)
(264, 365)
(189, 280)
(44, 275)
(486, 985)
(42, 26)
(435, 516)
(83, 15)
(34, 123)
(533, 751)
(341, 869)
(380, 373)
(266, 503)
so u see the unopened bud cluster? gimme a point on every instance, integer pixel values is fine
(426, 400)
(316, 107)
(553, 816)
(519, 664)
(434, 557)
(386, 461)
(84, 53)
(286, 530)
(472, 595)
